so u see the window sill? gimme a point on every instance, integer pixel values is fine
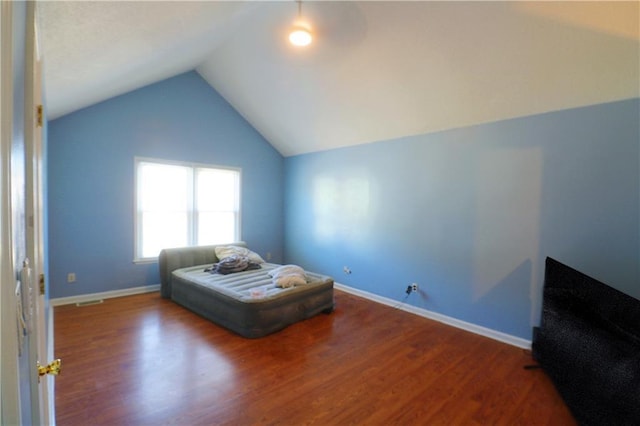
(145, 261)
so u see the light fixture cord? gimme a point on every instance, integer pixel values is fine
(299, 8)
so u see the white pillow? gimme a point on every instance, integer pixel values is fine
(226, 251)
(286, 270)
(289, 280)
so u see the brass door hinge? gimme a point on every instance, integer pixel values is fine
(41, 284)
(39, 115)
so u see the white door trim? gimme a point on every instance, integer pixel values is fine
(9, 389)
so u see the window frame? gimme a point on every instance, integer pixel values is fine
(192, 217)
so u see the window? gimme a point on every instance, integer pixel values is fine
(181, 205)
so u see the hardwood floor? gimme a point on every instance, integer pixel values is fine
(143, 360)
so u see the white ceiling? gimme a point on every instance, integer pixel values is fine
(376, 70)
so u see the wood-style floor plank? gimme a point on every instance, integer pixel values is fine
(143, 360)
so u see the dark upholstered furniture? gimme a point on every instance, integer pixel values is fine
(247, 302)
(588, 343)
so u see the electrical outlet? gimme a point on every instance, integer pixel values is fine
(71, 277)
(346, 270)
(414, 287)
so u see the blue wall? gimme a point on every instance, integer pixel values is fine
(470, 214)
(91, 174)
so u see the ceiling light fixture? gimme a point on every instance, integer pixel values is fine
(300, 34)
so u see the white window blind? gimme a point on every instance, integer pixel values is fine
(181, 205)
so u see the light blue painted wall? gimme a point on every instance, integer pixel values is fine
(91, 174)
(470, 214)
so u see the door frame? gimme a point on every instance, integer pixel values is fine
(9, 389)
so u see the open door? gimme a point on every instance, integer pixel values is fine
(40, 328)
(23, 326)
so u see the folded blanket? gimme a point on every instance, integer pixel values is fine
(288, 276)
(231, 264)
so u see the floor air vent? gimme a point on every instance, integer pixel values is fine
(90, 302)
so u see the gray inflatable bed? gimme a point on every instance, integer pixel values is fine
(249, 303)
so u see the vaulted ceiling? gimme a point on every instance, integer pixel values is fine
(376, 70)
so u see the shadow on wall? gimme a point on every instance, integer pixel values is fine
(509, 296)
(507, 224)
(470, 214)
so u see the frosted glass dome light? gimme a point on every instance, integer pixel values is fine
(300, 36)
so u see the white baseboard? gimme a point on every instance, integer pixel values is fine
(467, 326)
(473, 328)
(83, 298)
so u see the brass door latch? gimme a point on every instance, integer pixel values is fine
(53, 368)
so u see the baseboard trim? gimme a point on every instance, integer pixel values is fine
(83, 298)
(467, 326)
